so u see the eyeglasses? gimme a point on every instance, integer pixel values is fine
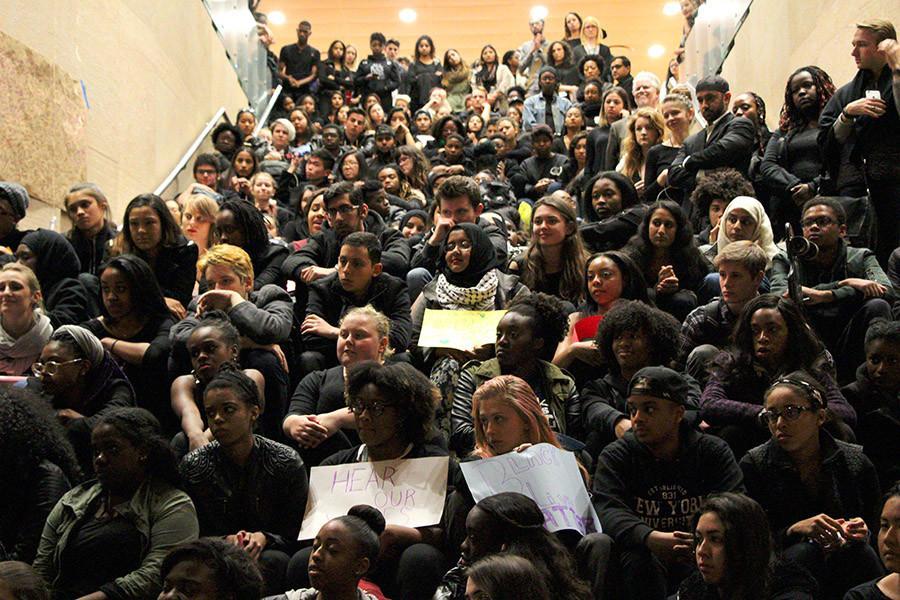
(344, 209)
(820, 221)
(791, 412)
(463, 245)
(51, 367)
(375, 409)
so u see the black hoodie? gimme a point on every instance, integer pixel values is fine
(636, 493)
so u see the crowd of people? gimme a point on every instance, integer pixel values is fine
(703, 311)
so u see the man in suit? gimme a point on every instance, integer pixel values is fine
(727, 141)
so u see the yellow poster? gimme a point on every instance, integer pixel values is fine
(459, 329)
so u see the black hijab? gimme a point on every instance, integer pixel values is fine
(56, 258)
(482, 259)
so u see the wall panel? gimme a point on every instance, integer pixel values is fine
(468, 24)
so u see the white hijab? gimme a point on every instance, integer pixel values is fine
(762, 235)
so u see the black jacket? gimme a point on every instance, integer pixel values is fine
(879, 424)
(267, 266)
(534, 169)
(613, 232)
(268, 494)
(603, 406)
(323, 249)
(25, 510)
(387, 294)
(387, 75)
(875, 140)
(426, 256)
(848, 486)
(636, 493)
(731, 144)
(176, 270)
(787, 580)
(92, 253)
(68, 302)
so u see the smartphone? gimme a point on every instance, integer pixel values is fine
(873, 94)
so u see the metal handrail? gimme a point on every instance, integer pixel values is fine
(190, 152)
(261, 119)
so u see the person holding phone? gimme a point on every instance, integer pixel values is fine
(859, 129)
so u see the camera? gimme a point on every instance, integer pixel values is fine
(798, 246)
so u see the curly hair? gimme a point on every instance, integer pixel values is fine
(792, 118)
(250, 221)
(549, 318)
(31, 434)
(234, 571)
(661, 328)
(520, 522)
(142, 430)
(414, 396)
(571, 286)
(683, 254)
(719, 184)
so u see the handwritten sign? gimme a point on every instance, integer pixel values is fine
(407, 492)
(459, 329)
(544, 473)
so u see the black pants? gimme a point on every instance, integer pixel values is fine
(837, 571)
(886, 199)
(847, 344)
(276, 390)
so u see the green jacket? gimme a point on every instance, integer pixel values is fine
(164, 516)
(559, 391)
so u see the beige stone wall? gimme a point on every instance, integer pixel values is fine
(780, 36)
(154, 74)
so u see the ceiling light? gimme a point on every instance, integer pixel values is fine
(539, 13)
(408, 15)
(656, 50)
(276, 17)
(670, 9)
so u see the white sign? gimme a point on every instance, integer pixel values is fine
(407, 492)
(544, 473)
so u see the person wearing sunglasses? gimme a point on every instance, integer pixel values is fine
(82, 383)
(393, 406)
(821, 495)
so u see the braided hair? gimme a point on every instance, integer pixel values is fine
(792, 118)
(251, 223)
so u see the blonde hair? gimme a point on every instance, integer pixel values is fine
(229, 256)
(33, 284)
(260, 174)
(382, 323)
(631, 151)
(683, 102)
(883, 30)
(591, 21)
(743, 252)
(203, 206)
